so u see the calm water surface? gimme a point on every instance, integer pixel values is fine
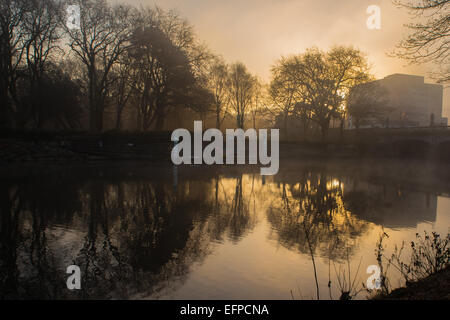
(155, 232)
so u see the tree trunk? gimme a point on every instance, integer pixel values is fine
(99, 127)
(217, 120)
(119, 119)
(218, 116)
(286, 125)
(159, 123)
(240, 121)
(324, 126)
(92, 117)
(305, 129)
(4, 121)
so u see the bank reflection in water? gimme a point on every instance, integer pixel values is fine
(135, 235)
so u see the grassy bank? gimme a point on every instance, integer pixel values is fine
(426, 271)
(434, 287)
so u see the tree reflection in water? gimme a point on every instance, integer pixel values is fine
(137, 237)
(310, 214)
(141, 237)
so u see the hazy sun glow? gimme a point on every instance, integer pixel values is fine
(258, 32)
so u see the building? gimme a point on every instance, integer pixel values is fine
(413, 103)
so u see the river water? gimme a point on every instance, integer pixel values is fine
(147, 231)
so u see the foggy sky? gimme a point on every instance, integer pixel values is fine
(258, 32)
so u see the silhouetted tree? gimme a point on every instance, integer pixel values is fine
(241, 88)
(429, 39)
(42, 29)
(58, 99)
(30, 34)
(323, 80)
(121, 91)
(168, 64)
(162, 73)
(12, 48)
(103, 37)
(217, 83)
(284, 90)
(258, 104)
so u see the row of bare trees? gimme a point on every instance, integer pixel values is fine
(33, 89)
(316, 86)
(150, 61)
(121, 57)
(145, 57)
(235, 91)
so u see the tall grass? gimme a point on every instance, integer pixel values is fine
(429, 255)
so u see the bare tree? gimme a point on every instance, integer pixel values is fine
(323, 80)
(241, 88)
(103, 37)
(122, 87)
(217, 82)
(284, 89)
(259, 101)
(430, 37)
(12, 47)
(29, 35)
(43, 32)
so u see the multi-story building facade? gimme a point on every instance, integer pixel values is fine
(412, 102)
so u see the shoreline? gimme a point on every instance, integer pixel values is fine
(433, 287)
(157, 148)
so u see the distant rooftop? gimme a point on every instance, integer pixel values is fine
(402, 75)
(409, 77)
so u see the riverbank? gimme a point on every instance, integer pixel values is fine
(82, 147)
(434, 287)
